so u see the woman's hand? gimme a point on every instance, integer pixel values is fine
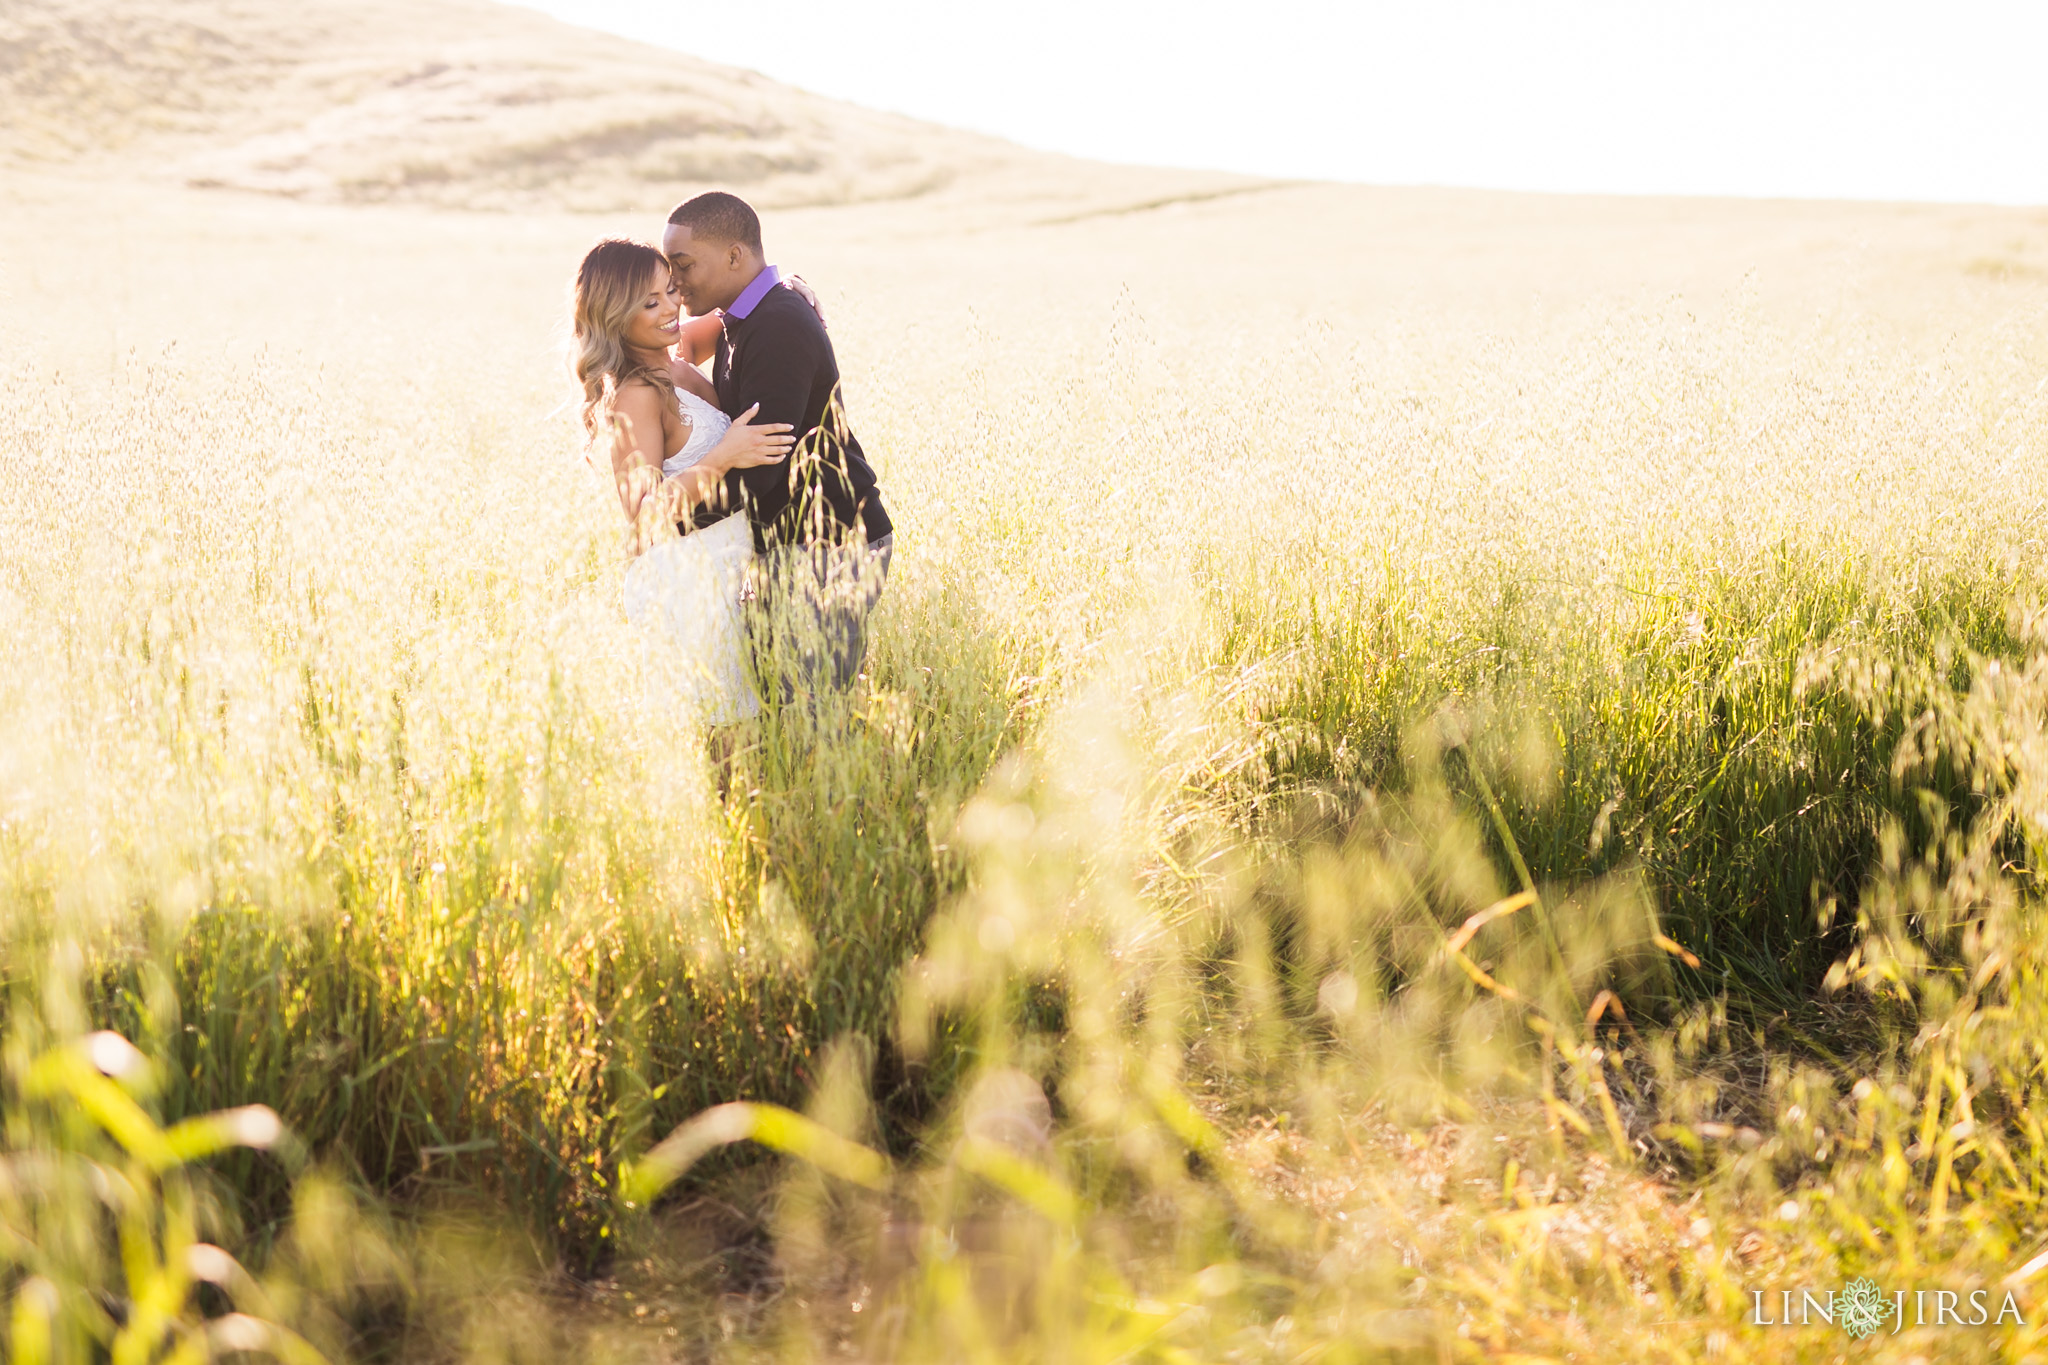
(746, 446)
(795, 285)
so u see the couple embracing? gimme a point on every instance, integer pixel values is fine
(757, 539)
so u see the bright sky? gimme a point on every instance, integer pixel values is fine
(1872, 99)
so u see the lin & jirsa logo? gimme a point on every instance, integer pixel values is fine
(1861, 1308)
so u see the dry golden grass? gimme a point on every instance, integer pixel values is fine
(467, 104)
(1269, 566)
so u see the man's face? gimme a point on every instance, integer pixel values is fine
(708, 272)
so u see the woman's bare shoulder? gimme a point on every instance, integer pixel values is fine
(640, 384)
(640, 395)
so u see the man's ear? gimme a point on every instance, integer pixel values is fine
(735, 256)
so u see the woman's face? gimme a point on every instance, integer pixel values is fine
(653, 323)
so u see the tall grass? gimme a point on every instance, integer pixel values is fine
(1119, 909)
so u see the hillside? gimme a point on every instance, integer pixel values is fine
(468, 104)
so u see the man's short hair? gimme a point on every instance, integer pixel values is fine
(720, 216)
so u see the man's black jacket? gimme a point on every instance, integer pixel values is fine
(779, 356)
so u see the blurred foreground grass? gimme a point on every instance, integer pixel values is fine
(1416, 852)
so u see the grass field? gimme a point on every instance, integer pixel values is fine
(1475, 795)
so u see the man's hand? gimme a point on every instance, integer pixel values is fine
(807, 294)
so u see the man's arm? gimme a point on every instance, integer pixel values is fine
(779, 373)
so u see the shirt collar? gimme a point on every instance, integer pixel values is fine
(754, 293)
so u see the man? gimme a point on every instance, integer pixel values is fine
(820, 530)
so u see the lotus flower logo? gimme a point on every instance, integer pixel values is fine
(1861, 1308)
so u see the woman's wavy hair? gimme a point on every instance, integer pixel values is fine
(609, 285)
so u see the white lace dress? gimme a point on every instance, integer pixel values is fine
(684, 594)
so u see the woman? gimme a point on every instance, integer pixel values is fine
(670, 451)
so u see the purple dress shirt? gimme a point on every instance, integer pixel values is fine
(755, 292)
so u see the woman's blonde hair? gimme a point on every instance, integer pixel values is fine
(610, 284)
